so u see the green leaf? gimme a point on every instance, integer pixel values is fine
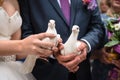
(110, 26)
(114, 38)
(111, 43)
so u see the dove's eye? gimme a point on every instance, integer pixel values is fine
(77, 28)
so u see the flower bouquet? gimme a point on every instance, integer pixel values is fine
(113, 45)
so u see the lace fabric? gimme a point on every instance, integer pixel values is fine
(7, 58)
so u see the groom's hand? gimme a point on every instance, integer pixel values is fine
(68, 61)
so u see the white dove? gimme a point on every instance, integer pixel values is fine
(51, 29)
(29, 63)
(71, 44)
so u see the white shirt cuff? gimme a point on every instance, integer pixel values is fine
(89, 47)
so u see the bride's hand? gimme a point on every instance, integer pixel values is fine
(34, 45)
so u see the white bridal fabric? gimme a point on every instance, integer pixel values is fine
(9, 68)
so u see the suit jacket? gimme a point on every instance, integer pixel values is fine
(37, 13)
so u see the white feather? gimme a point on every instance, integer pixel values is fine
(29, 63)
(72, 44)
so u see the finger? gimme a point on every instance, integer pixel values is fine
(82, 46)
(74, 63)
(74, 69)
(116, 63)
(44, 35)
(67, 57)
(43, 44)
(83, 55)
(54, 49)
(60, 46)
(44, 52)
(116, 69)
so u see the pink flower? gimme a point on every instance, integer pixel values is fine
(90, 3)
(86, 1)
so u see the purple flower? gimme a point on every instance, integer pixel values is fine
(92, 5)
(113, 74)
(117, 48)
(109, 34)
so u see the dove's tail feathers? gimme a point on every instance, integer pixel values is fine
(29, 64)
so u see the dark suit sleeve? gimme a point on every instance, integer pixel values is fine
(96, 33)
(26, 25)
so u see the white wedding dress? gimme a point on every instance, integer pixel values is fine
(9, 67)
